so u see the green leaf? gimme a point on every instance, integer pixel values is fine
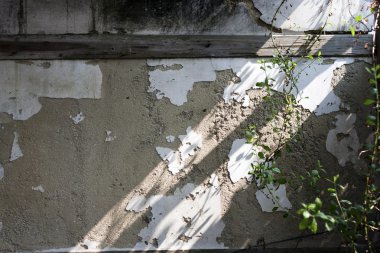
(274, 208)
(261, 155)
(267, 148)
(369, 101)
(319, 53)
(276, 170)
(303, 224)
(318, 202)
(371, 120)
(335, 178)
(358, 18)
(329, 226)
(313, 226)
(331, 190)
(346, 202)
(306, 214)
(352, 29)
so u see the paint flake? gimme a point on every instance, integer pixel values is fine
(170, 138)
(299, 15)
(109, 136)
(21, 85)
(38, 188)
(241, 156)
(16, 152)
(170, 213)
(78, 118)
(343, 141)
(1, 172)
(191, 142)
(314, 93)
(172, 157)
(279, 199)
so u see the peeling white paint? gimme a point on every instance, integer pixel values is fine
(304, 15)
(343, 141)
(109, 136)
(272, 197)
(1, 172)
(170, 138)
(16, 152)
(77, 118)
(314, 93)
(38, 188)
(172, 157)
(191, 142)
(242, 155)
(23, 83)
(189, 219)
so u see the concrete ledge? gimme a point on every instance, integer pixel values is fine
(115, 46)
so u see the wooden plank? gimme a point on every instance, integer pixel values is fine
(108, 46)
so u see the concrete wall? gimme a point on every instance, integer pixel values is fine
(150, 154)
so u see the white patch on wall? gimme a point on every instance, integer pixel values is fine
(343, 141)
(191, 142)
(1, 172)
(301, 15)
(109, 136)
(315, 91)
(23, 83)
(241, 156)
(16, 152)
(189, 219)
(273, 198)
(172, 157)
(77, 118)
(38, 188)
(170, 138)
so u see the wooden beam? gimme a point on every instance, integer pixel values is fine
(110, 46)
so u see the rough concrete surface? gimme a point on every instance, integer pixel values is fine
(235, 17)
(75, 183)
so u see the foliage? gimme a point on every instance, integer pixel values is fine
(355, 221)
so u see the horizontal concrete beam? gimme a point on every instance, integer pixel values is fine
(109, 46)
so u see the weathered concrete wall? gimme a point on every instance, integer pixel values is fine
(241, 17)
(68, 181)
(150, 154)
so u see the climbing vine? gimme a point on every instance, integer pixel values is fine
(355, 221)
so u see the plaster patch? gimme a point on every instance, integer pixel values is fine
(191, 142)
(241, 156)
(16, 152)
(314, 93)
(38, 188)
(21, 85)
(77, 118)
(343, 141)
(109, 136)
(273, 197)
(181, 222)
(172, 157)
(170, 138)
(1, 172)
(301, 15)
